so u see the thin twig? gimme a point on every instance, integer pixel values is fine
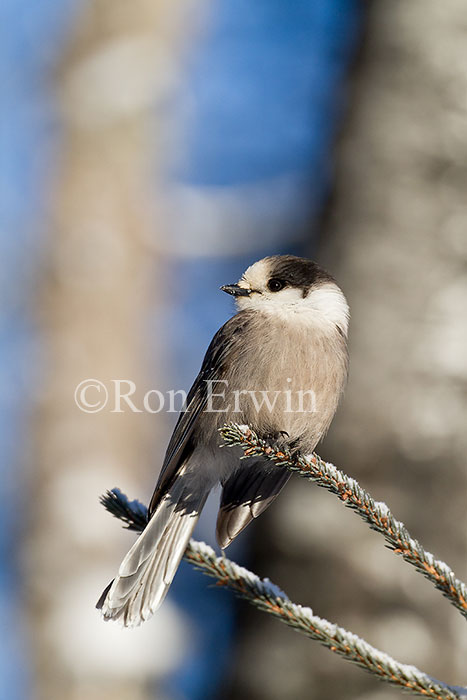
(375, 513)
(267, 597)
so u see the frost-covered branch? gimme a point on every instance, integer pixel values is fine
(268, 597)
(375, 513)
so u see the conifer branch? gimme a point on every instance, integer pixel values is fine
(375, 513)
(268, 597)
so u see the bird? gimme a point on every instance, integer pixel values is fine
(278, 365)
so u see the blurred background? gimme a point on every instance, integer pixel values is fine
(150, 151)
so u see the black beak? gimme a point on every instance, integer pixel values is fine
(235, 290)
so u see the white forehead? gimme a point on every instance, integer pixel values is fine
(256, 276)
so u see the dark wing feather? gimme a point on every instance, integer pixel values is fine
(181, 442)
(246, 495)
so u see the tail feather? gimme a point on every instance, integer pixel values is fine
(147, 571)
(173, 544)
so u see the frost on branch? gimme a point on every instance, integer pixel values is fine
(269, 598)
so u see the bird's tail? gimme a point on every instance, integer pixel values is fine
(147, 571)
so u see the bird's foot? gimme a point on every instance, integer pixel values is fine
(280, 441)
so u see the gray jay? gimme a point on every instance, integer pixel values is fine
(278, 365)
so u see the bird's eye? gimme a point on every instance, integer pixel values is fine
(275, 284)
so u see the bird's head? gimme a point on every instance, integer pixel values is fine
(292, 287)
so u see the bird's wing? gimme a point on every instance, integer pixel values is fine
(246, 494)
(227, 339)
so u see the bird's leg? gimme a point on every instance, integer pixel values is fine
(278, 440)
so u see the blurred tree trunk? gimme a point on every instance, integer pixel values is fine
(396, 241)
(98, 287)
